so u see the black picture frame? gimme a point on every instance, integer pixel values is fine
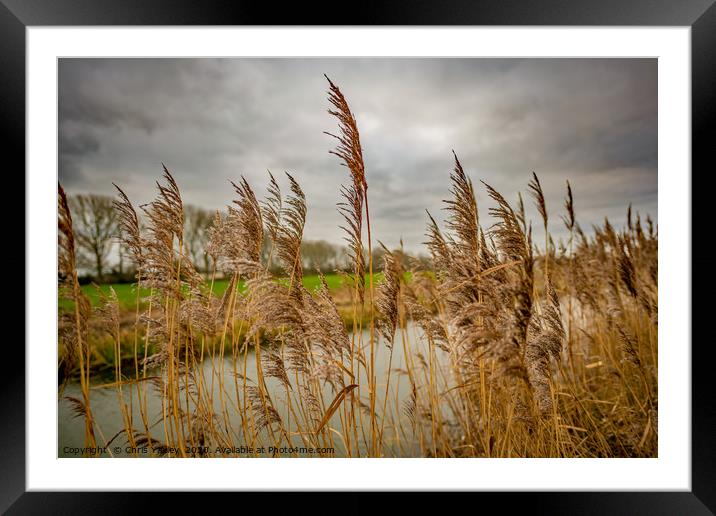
(700, 15)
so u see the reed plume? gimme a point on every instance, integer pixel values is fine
(544, 342)
(325, 330)
(165, 227)
(516, 247)
(569, 220)
(349, 150)
(129, 228)
(289, 234)
(354, 196)
(536, 191)
(246, 229)
(74, 336)
(264, 412)
(271, 209)
(388, 293)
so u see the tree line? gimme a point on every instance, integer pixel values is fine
(101, 257)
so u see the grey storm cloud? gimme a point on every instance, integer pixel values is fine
(590, 121)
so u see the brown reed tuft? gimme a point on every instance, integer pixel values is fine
(351, 209)
(289, 235)
(544, 343)
(388, 293)
(569, 220)
(74, 336)
(129, 229)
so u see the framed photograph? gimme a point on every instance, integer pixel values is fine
(419, 252)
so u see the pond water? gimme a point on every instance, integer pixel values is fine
(398, 438)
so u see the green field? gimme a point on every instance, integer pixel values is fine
(127, 292)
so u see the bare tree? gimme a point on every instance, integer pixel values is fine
(196, 235)
(95, 230)
(320, 254)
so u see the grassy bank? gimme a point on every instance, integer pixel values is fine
(103, 357)
(127, 294)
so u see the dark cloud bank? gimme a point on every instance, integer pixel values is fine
(592, 121)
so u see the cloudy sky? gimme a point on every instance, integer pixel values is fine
(592, 121)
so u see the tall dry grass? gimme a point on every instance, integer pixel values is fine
(509, 348)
